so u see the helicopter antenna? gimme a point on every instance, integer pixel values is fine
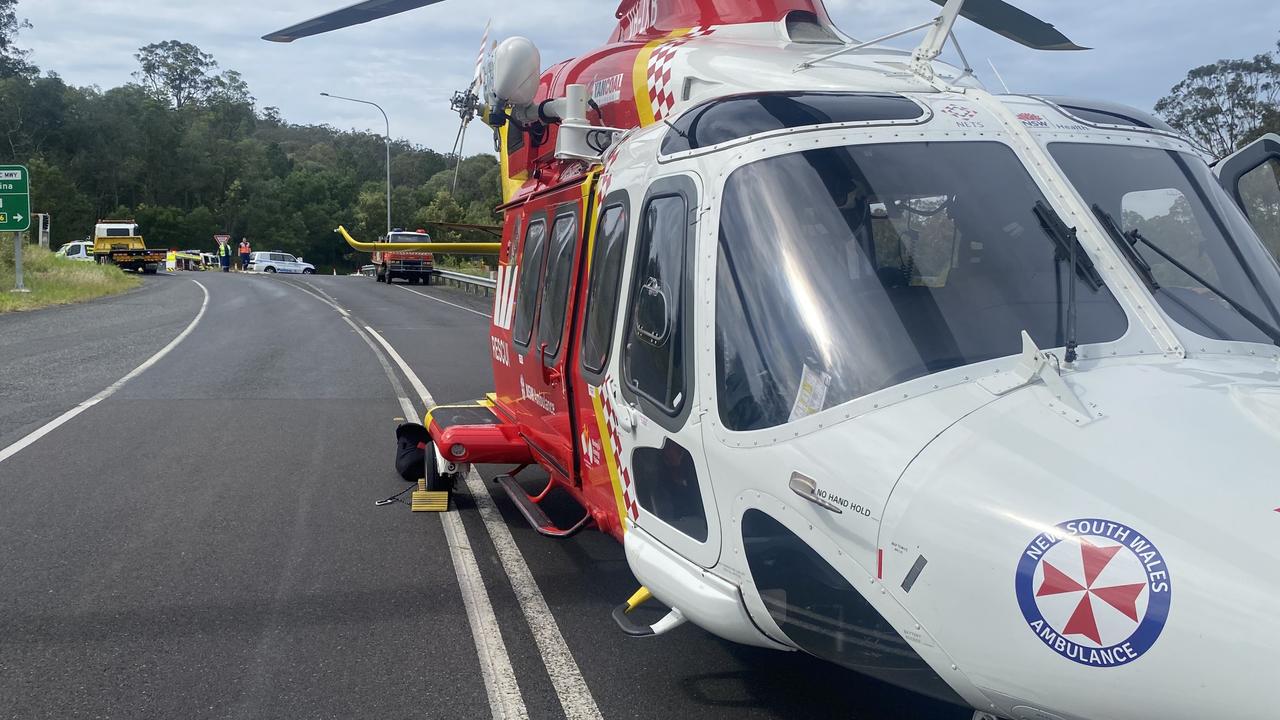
(999, 77)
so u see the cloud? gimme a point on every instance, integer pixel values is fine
(411, 64)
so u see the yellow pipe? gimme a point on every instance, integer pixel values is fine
(433, 247)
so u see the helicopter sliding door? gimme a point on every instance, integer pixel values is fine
(1252, 177)
(547, 268)
(665, 484)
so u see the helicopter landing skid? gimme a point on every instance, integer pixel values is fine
(533, 513)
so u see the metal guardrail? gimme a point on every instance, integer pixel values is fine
(482, 286)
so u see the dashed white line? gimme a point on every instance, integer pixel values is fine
(67, 416)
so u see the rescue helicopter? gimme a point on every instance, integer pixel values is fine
(975, 393)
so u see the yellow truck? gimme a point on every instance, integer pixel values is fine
(118, 242)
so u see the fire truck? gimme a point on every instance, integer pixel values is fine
(411, 265)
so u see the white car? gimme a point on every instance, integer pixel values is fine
(82, 251)
(274, 262)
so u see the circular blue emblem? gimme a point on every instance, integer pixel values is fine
(1096, 592)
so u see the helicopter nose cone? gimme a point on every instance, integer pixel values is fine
(1128, 569)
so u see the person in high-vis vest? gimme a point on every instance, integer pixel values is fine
(224, 255)
(245, 251)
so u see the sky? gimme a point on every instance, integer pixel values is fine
(411, 64)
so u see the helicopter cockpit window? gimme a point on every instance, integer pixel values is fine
(1176, 206)
(1260, 193)
(844, 271)
(741, 116)
(530, 280)
(1101, 112)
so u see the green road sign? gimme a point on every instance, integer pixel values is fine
(15, 199)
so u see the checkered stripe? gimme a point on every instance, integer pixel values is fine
(662, 92)
(624, 473)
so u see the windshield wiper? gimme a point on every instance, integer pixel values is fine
(1068, 248)
(1128, 242)
(1126, 248)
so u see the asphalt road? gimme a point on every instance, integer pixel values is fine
(203, 543)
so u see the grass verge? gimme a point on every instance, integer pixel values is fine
(464, 265)
(54, 280)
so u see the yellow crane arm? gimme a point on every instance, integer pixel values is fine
(432, 247)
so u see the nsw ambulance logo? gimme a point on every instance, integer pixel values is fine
(1094, 591)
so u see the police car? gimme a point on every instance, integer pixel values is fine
(275, 262)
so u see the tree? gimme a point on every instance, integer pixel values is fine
(13, 60)
(178, 72)
(1226, 104)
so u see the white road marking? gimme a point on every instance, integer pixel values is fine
(566, 677)
(571, 688)
(67, 416)
(505, 700)
(424, 394)
(500, 679)
(446, 302)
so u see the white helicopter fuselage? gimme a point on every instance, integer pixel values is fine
(1035, 538)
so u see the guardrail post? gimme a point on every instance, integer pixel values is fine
(17, 264)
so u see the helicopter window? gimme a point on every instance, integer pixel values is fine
(531, 267)
(1260, 193)
(845, 271)
(655, 341)
(1100, 112)
(666, 482)
(602, 293)
(738, 117)
(819, 610)
(555, 288)
(1174, 202)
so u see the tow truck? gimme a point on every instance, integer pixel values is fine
(118, 242)
(411, 265)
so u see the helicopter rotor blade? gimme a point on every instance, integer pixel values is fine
(361, 12)
(1019, 26)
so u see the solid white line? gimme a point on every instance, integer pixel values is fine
(566, 677)
(501, 686)
(67, 416)
(446, 302)
(500, 679)
(427, 401)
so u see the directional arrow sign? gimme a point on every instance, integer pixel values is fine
(15, 199)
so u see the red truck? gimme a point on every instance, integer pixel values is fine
(411, 266)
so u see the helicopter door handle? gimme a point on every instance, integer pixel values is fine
(807, 488)
(627, 416)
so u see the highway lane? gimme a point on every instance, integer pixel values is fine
(687, 673)
(52, 359)
(204, 543)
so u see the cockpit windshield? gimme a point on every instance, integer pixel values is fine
(1178, 208)
(847, 270)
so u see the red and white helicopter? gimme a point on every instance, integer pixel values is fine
(978, 394)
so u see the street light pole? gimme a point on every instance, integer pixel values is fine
(388, 137)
